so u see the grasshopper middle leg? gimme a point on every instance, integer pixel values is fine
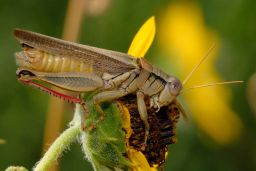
(106, 96)
(126, 83)
(130, 84)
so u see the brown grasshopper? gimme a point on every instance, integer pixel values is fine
(82, 68)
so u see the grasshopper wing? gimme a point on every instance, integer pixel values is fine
(80, 82)
(104, 61)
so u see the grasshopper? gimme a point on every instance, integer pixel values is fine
(81, 68)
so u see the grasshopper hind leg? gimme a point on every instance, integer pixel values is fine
(71, 99)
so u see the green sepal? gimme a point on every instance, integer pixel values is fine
(105, 145)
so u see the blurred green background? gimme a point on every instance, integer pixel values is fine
(23, 109)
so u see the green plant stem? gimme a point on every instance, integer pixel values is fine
(58, 146)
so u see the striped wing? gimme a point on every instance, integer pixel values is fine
(104, 61)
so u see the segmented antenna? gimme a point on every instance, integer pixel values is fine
(213, 84)
(209, 84)
(199, 63)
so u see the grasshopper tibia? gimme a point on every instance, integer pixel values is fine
(52, 92)
(60, 95)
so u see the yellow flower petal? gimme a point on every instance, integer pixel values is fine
(184, 35)
(126, 123)
(139, 161)
(143, 39)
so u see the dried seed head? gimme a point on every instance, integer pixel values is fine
(162, 129)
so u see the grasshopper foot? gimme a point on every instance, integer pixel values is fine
(101, 112)
(90, 127)
(144, 145)
(85, 111)
(93, 126)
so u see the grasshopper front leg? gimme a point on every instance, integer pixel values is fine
(143, 114)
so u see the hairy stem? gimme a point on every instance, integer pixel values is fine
(58, 146)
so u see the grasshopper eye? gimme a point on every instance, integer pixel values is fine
(175, 87)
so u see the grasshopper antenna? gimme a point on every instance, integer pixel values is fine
(213, 84)
(199, 63)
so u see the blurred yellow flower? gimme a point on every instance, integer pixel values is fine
(251, 92)
(2, 141)
(183, 34)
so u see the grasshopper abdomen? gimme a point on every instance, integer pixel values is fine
(46, 62)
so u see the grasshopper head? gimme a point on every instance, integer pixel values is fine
(170, 92)
(174, 86)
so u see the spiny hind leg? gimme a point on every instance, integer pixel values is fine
(106, 96)
(143, 114)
